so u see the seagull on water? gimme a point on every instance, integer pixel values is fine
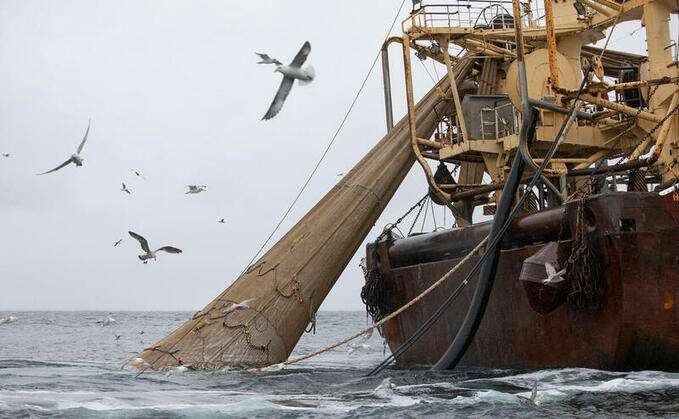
(529, 401)
(124, 189)
(8, 320)
(239, 306)
(195, 189)
(145, 247)
(267, 60)
(136, 362)
(75, 157)
(177, 370)
(291, 72)
(107, 321)
(553, 277)
(117, 243)
(386, 384)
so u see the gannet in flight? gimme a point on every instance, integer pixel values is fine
(291, 72)
(267, 60)
(75, 157)
(145, 247)
(195, 189)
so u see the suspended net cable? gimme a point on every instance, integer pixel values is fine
(327, 148)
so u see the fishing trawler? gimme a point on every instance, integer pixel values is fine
(601, 214)
(571, 148)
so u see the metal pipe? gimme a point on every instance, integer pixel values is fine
(621, 108)
(453, 88)
(386, 79)
(571, 172)
(555, 108)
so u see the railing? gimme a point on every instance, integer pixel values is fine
(496, 126)
(477, 14)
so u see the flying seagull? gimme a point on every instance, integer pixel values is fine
(240, 306)
(117, 243)
(267, 60)
(75, 157)
(145, 247)
(340, 174)
(362, 345)
(195, 189)
(5, 154)
(136, 173)
(117, 337)
(553, 277)
(529, 401)
(221, 221)
(291, 72)
(124, 189)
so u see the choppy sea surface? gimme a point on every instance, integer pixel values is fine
(65, 364)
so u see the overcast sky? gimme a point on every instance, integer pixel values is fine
(174, 91)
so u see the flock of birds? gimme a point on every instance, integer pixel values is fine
(290, 72)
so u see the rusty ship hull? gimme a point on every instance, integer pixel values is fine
(636, 240)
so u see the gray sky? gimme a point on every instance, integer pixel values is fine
(174, 91)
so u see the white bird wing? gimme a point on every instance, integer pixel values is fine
(57, 168)
(300, 58)
(281, 95)
(82, 143)
(169, 249)
(142, 241)
(551, 271)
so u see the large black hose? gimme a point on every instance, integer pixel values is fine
(471, 322)
(475, 313)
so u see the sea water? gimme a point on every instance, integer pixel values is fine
(66, 364)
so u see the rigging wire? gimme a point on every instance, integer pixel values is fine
(327, 148)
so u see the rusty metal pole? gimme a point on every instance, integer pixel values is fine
(414, 141)
(551, 43)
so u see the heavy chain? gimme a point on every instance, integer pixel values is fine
(391, 226)
(583, 269)
(378, 295)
